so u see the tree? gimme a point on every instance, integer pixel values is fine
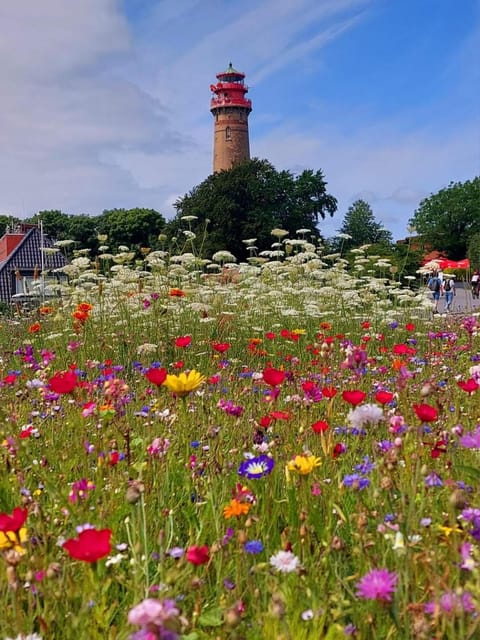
(247, 202)
(473, 253)
(134, 228)
(360, 227)
(55, 223)
(8, 221)
(447, 220)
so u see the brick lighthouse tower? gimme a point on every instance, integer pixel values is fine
(230, 110)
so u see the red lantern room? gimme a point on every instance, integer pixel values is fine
(230, 110)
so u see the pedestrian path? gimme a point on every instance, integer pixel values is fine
(463, 302)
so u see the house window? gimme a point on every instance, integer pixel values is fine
(228, 133)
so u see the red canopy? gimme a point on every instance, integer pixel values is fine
(445, 263)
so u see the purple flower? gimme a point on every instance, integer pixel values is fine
(451, 603)
(471, 440)
(433, 480)
(356, 481)
(378, 584)
(256, 467)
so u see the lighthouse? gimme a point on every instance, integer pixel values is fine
(230, 110)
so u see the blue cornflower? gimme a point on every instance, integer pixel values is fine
(253, 546)
(356, 481)
(256, 467)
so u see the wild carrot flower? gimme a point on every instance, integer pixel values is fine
(378, 584)
(184, 383)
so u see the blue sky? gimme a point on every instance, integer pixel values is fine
(105, 103)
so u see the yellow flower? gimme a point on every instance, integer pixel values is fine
(303, 465)
(13, 540)
(235, 508)
(298, 332)
(182, 384)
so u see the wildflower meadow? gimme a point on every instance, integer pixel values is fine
(281, 449)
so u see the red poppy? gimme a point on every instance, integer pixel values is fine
(403, 349)
(309, 386)
(63, 382)
(84, 306)
(383, 397)
(90, 546)
(285, 333)
(221, 347)
(35, 327)
(273, 377)
(156, 376)
(279, 415)
(81, 316)
(183, 341)
(468, 385)
(197, 555)
(176, 293)
(338, 449)
(440, 447)
(365, 325)
(329, 392)
(425, 412)
(320, 426)
(410, 326)
(265, 421)
(354, 397)
(179, 364)
(270, 335)
(13, 522)
(10, 379)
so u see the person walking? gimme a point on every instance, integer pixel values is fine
(475, 284)
(449, 289)
(435, 285)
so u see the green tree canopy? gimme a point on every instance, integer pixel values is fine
(134, 228)
(360, 227)
(448, 219)
(247, 202)
(8, 221)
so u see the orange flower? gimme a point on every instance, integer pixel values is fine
(44, 311)
(80, 315)
(84, 306)
(176, 293)
(34, 328)
(236, 508)
(326, 326)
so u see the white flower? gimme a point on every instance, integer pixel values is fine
(30, 636)
(365, 414)
(285, 562)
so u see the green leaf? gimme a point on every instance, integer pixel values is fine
(470, 472)
(211, 618)
(335, 632)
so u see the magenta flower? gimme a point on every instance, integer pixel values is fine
(378, 584)
(451, 603)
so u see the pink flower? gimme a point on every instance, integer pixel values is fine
(378, 584)
(197, 555)
(152, 611)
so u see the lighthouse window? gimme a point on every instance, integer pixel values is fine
(228, 133)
